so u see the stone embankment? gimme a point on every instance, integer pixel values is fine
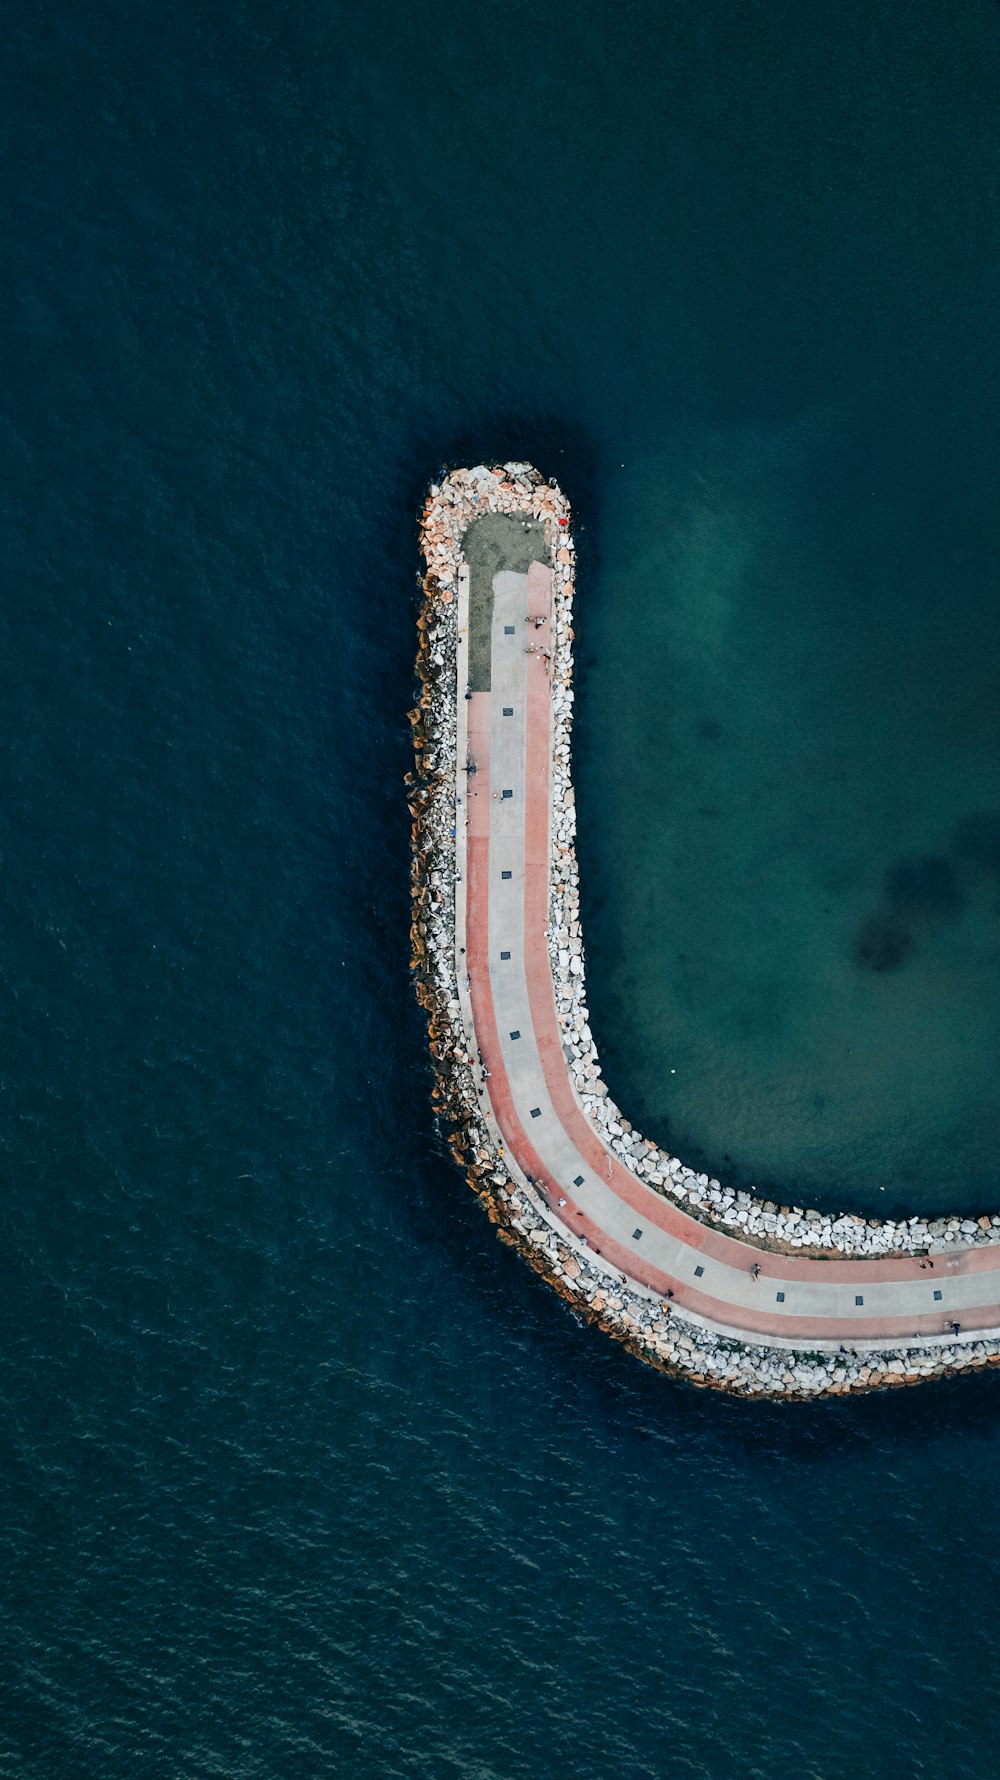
(658, 1331)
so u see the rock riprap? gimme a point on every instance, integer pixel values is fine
(937, 1282)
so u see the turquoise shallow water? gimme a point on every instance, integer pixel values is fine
(789, 732)
(301, 1473)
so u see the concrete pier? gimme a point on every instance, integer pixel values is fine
(736, 1292)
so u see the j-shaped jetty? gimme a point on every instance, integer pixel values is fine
(729, 1289)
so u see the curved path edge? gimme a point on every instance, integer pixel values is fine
(722, 1287)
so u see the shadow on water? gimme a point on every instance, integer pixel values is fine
(651, 1406)
(558, 446)
(595, 1379)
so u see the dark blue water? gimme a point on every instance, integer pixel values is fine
(301, 1472)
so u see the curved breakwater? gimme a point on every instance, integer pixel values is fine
(725, 1287)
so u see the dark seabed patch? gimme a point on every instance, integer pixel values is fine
(884, 943)
(919, 896)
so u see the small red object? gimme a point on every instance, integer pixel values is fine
(564, 522)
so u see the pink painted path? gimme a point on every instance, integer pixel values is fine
(504, 857)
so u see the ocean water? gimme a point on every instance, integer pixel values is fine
(301, 1472)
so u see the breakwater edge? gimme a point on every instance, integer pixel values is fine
(928, 1292)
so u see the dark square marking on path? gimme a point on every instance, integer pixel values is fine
(698, 1272)
(506, 874)
(636, 1235)
(508, 710)
(515, 1035)
(859, 1300)
(508, 794)
(781, 1297)
(508, 630)
(505, 956)
(937, 1295)
(536, 1112)
(578, 1181)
